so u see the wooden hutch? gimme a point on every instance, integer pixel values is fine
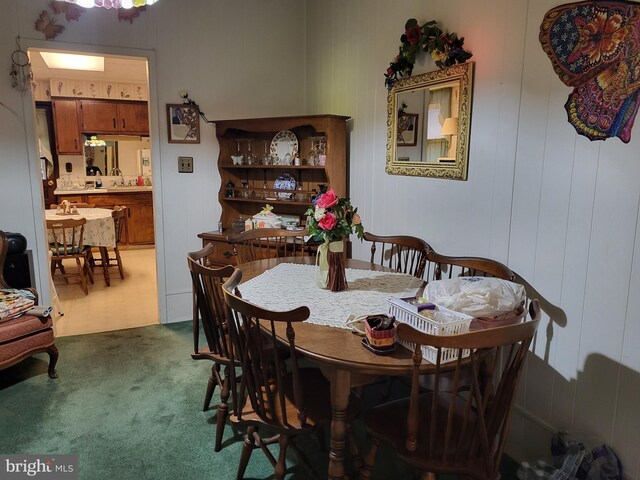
(236, 137)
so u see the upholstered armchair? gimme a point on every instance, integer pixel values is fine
(27, 334)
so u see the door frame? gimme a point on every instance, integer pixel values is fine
(48, 109)
(41, 256)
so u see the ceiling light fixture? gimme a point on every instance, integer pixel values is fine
(70, 61)
(111, 3)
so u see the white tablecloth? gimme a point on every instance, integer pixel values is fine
(99, 231)
(289, 285)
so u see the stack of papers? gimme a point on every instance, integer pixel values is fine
(14, 303)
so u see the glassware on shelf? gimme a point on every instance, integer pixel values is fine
(238, 225)
(266, 156)
(265, 190)
(252, 158)
(318, 152)
(300, 196)
(245, 190)
(238, 158)
(313, 158)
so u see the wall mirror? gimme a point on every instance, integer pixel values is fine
(124, 153)
(428, 119)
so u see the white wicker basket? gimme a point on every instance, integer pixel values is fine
(441, 321)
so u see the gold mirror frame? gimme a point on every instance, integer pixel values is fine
(456, 170)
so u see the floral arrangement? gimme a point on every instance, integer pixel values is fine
(333, 218)
(445, 49)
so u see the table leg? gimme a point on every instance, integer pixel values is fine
(340, 390)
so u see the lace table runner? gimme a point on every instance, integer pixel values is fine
(290, 285)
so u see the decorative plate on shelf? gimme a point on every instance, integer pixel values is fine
(284, 182)
(285, 142)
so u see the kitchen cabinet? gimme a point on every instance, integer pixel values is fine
(264, 182)
(103, 116)
(134, 117)
(67, 127)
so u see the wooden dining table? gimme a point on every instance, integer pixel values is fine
(340, 355)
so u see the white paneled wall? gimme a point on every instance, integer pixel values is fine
(560, 210)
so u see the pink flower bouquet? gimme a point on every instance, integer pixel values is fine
(333, 218)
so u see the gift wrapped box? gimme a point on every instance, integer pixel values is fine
(263, 221)
(267, 219)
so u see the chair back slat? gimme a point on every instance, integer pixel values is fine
(467, 422)
(403, 254)
(208, 302)
(66, 236)
(253, 332)
(263, 243)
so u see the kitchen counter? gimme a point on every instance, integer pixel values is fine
(98, 191)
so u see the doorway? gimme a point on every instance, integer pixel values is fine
(126, 178)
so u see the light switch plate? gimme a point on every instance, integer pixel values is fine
(185, 164)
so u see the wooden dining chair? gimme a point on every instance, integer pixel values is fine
(402, 253)
(274, 394)
(209, 309)
(441, 267)
(262, 243)
(120, 222)
(456, 430)
(65, 242)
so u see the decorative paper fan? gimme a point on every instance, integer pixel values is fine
(48, 26)
(594, 46)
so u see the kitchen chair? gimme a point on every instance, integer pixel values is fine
(54, 206)
(440, 267)
(27, 334)
(65, 242)
(208, 306)
(402, 253)
(121, 224)
(288, 401)
(456, 431)
(262, 243)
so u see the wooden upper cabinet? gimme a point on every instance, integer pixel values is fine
(99, 117)
(67, 127)
(114, 117)
(134, 117)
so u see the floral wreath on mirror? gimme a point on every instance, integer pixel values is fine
(445, 49)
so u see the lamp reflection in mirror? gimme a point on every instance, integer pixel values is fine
(94, 141)
(450, 129)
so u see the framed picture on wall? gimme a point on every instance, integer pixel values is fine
(183, 121)
(407, 128)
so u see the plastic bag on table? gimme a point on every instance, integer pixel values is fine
(476, 296)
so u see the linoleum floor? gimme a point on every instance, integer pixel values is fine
(128, 303)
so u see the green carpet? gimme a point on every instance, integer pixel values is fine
(129, 404)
